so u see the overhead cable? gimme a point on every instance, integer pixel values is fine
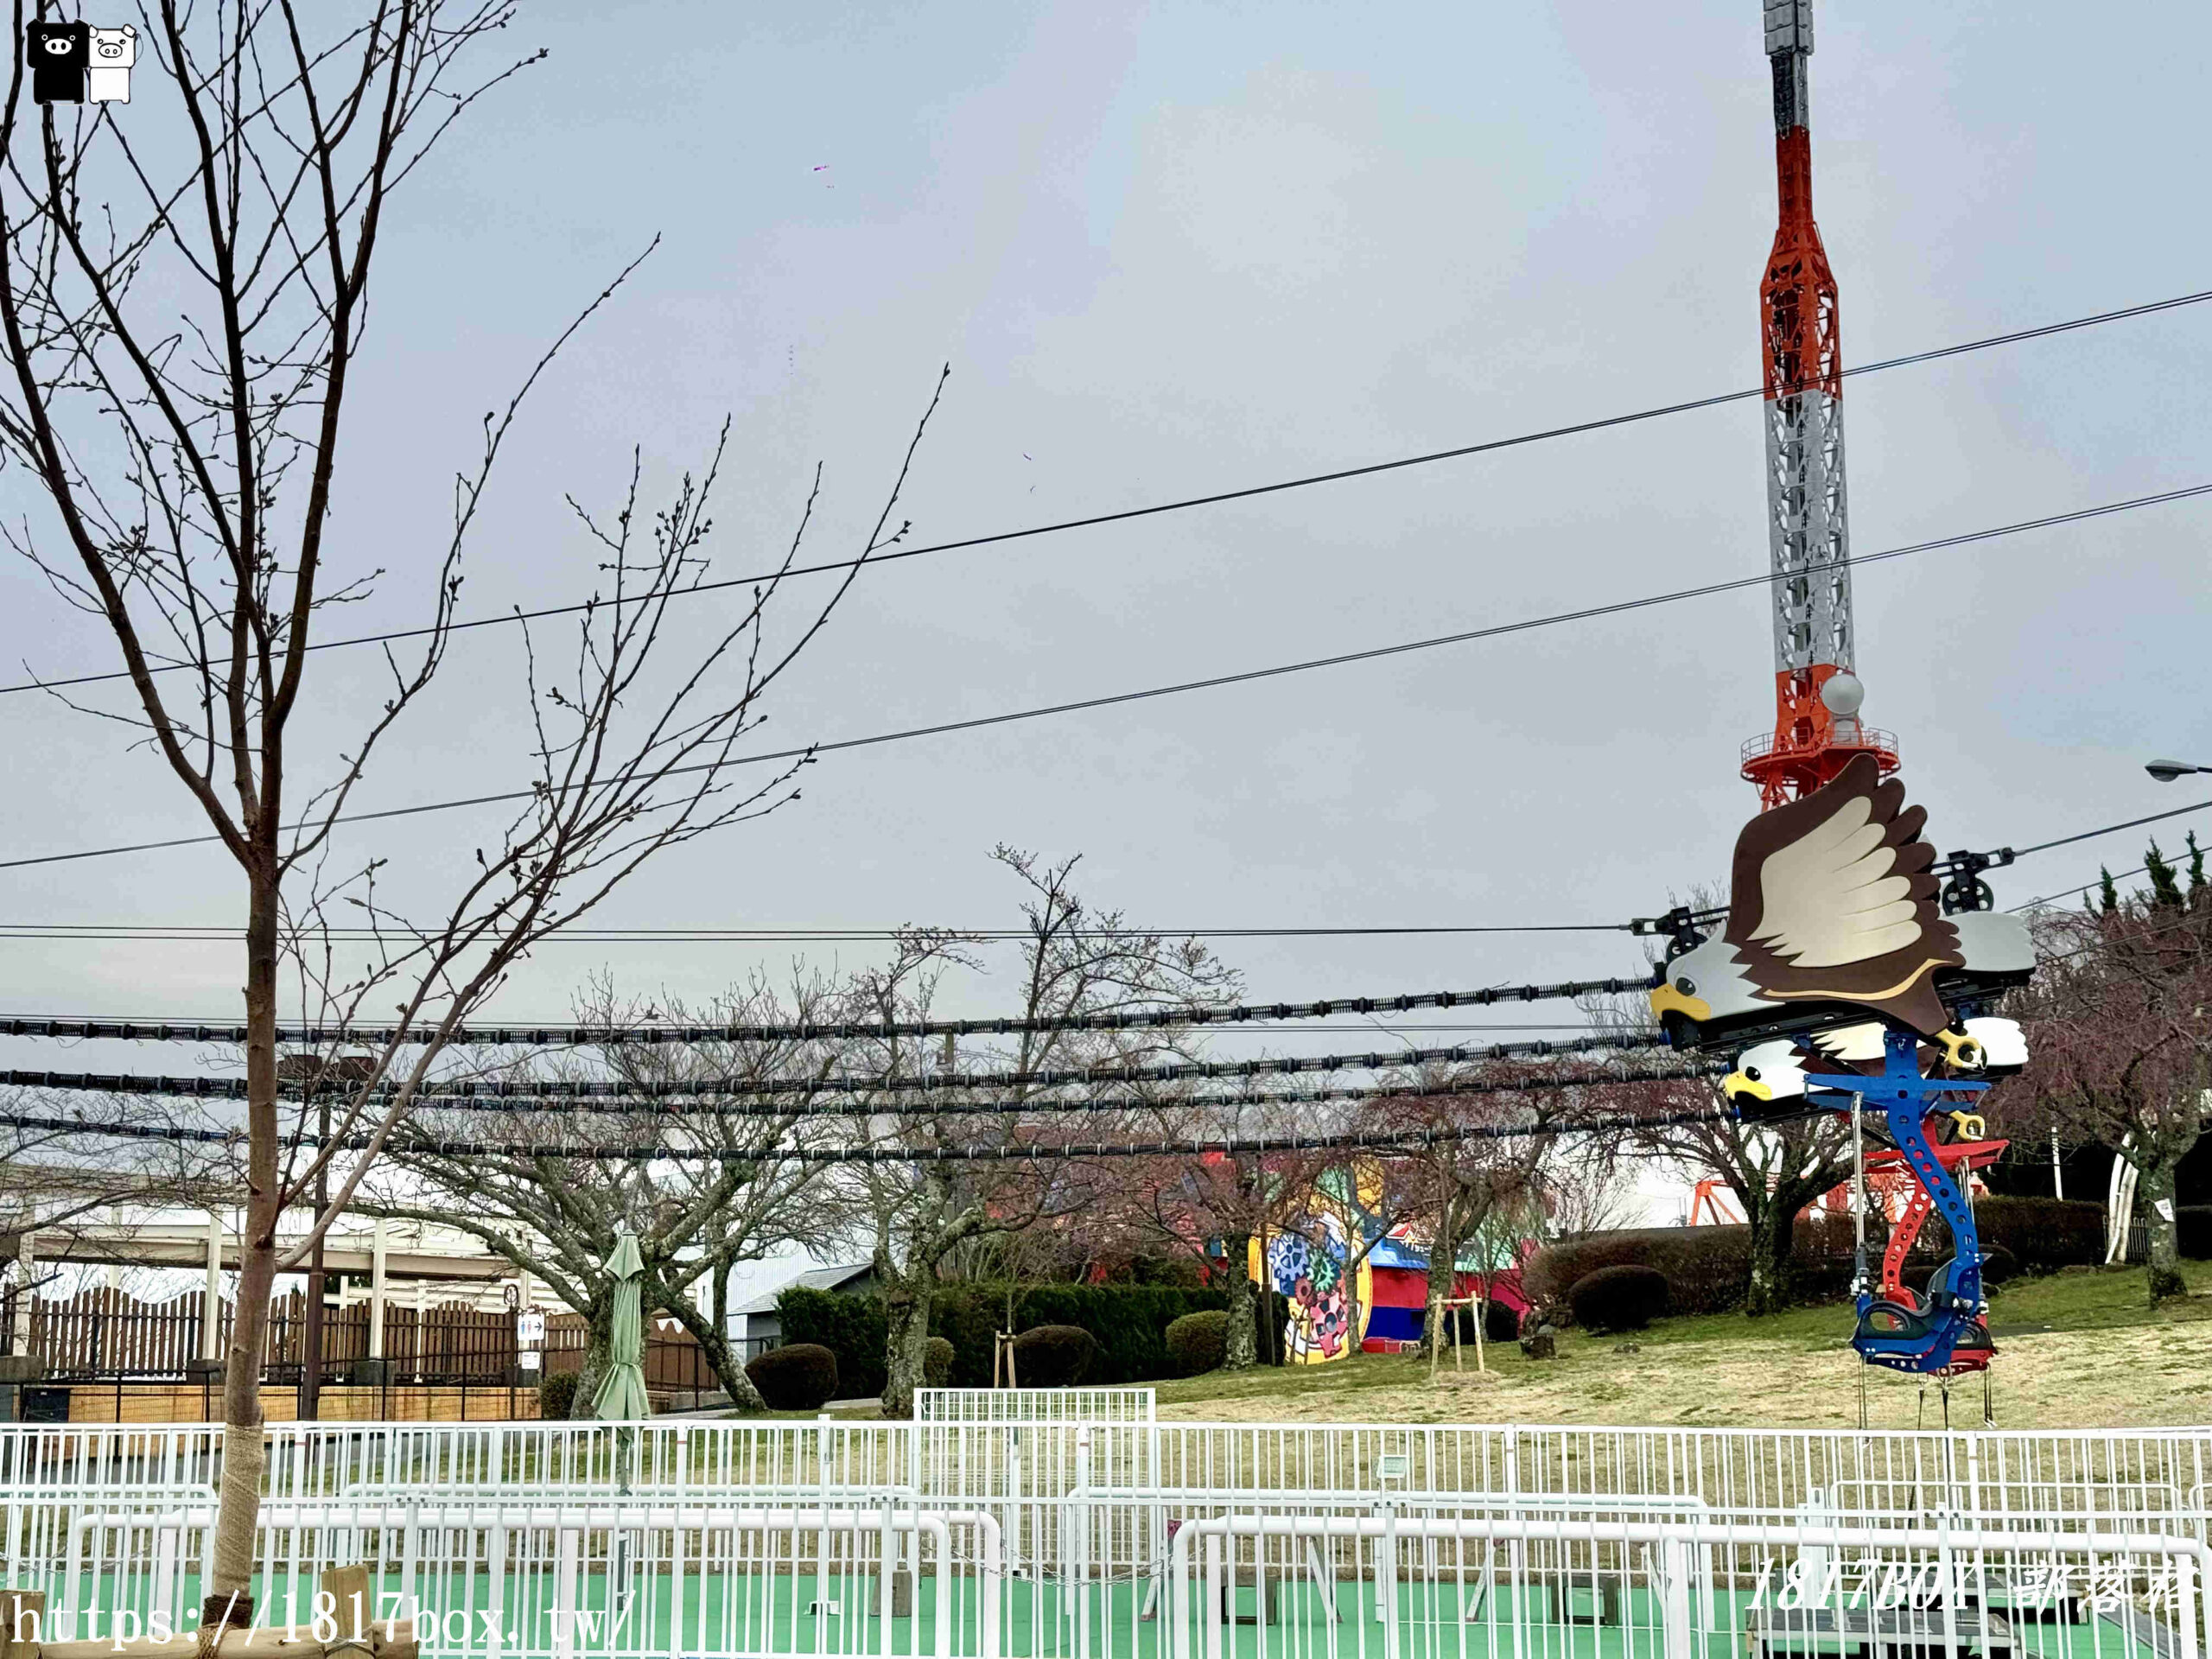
(193, 933)
(1450, 1088)
(1052, 1077)
(1122, 515)
(1411, 1140)
(608, 1036)
(639, 1103)
(1211, 682)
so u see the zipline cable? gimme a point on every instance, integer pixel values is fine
(1124, 515)
(1378, 1140)
(1174, 1017)
(1764, 579)
(1053, 1077)
(638, 1103)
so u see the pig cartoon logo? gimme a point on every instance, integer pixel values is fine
(108, 76)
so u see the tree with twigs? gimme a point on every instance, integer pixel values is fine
(1214, 1205)
(2119, 1024)
(1775, 1170)
(698, 1165)
(1487, 1155)
(1076, 963)
(182, 328)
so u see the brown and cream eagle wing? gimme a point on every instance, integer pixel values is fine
(1830, 899)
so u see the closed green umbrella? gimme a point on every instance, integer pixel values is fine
(622, 1392)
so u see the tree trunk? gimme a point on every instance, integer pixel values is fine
(1241, 1341)
(2161, 1231)
(245, 1453)
(713, 1338)
(599, 1339)
(1768, 1291)
(906, 1340)
(1443, 1276)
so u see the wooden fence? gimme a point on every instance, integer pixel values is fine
(110, 1333)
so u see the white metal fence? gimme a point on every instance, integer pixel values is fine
(1107, 1405)
(569, 1541)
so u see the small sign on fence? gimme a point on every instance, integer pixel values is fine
(530, 1329)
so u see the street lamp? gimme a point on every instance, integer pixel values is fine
(2166, 770)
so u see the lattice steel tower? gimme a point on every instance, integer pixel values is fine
(1816, 725)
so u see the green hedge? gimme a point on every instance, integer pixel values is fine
(2193, 1230)
(1708, 1267)
(851, 1327)
(1129, 1322)
(2042, 1234)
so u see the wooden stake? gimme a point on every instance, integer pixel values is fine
(22, 1623)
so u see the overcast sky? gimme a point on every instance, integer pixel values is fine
(1182, 249)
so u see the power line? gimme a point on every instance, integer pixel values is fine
(120, 1083)
(1212, 682)
(639, 1105)
(809, 1031)
(185, 932)
(173, 1028)
(1124, 515)
(2110, 828)
(1256, 1028)
(1382, 1140)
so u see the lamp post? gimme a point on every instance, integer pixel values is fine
(2166, 770)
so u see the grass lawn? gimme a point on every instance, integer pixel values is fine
(2078, 1350)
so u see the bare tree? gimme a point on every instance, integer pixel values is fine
(59, 1184)
(1215, 1205)
(1775, 1170)
(1489, 1157)
(1075, 962)
(2119, 1021)
(704, 1176)
(181, 328)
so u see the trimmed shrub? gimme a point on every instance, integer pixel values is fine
(851, 1327)
(1198, 1342)
(1129, 1322)
(557, 1395)
(798, 1376)
(1501, 1323)
(1705, 1267)
(1625, 1297)
(1999, 1264)
(1054, 1356)
(2043, 1235)
(937, 1363)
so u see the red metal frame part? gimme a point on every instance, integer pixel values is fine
(1959, 1157)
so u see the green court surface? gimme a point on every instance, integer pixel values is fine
(705, 1615)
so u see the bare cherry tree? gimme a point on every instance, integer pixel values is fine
(697, 1164)
(1217, 1205)
(2118, 1022)
(182, 325)
(1489, 1151)
(1076, 962)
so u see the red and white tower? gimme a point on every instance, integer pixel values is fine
(1816, 725)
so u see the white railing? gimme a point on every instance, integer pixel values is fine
(638, 1581)
(558, 1580)
(1392, 1586)
(1050, 1538)
(2079, 1477)
(1107, 1405)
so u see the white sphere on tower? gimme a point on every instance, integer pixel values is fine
(1842, 694)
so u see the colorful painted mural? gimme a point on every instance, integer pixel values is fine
(1376, 1303)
